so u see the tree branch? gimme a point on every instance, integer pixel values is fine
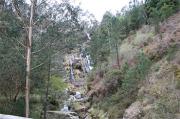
(46, 59)
(21, 44)
(37, 66)
(18, 14)
(46, 45)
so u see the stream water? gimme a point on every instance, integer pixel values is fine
(77, 80)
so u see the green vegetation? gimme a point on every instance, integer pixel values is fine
(50, 36)
(57, 83)
(114, 29)
(122, 87)
(116, 43)
(123, 48)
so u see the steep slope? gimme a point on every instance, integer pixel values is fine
(146, 86)
(159, 97)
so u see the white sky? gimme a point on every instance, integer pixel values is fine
(99, 7)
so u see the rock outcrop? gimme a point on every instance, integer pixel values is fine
(134, 111)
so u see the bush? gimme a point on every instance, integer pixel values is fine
(12, 108)
(133, 75)
(113, 80)
(164, 7)
(118, 102)
(57, 83)
(171, 52)
(178, 84)
(167, 108)
(124, 87)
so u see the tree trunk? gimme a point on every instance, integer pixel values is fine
(1, 5)
(117, 55)
(48, 82)
(28, 61)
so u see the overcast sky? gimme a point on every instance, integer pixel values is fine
(99, 7)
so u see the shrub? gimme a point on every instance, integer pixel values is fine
(113, 80)
(122, 86)
(134, 74)
(57, 83)
(178, 84)
(167, 108)
(12, 108)
(177, 75)
(171, 52)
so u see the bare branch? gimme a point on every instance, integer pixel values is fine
(40, 3)
(37, 66)
(18, 14)
(21, 44)
(20, 53)
(15, 47)
(39, 50)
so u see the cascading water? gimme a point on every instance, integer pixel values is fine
(76, 96)
(71, 77)
(88, 66)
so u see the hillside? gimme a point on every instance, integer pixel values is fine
(124, 93)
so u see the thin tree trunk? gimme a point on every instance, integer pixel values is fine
(1, 5)
(28, 61)
(48, 82)
(117, 55)
(109, 41)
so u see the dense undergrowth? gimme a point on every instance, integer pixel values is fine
(122, 87)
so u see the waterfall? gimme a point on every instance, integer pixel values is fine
(88, 35)
(87, 64)
(71, 78)
(76, 98)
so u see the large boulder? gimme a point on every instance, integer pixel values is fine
(61, 115)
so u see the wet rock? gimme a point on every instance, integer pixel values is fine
(134, 111)
(65, 108)
(77, 95)
(61, 115)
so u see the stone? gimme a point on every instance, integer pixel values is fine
(147, 101)
(65, 108)
(141, 92)
(134, 111)
(78, 95)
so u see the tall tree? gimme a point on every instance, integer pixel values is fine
(28, 58)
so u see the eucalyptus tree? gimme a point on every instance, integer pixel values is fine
(27, 32)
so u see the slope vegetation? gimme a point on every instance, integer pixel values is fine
(147, 84)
